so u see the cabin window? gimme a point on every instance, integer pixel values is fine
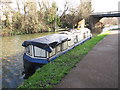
(76, 39)
(58, 48)
(29, 50)
(38, 52)
(55, 50)
(71, 43)
(88, 33)
(84, 35)
(65, 45)
(79, 37)
(52, 53)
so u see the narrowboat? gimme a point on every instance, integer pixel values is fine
(42, 50)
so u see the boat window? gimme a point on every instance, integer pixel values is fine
(58, 48)
(65, 45)
(53, 52)
(71, 43)
(76, 39)
(88, 33)
(29, 50)
(84, 35)
(38, 52)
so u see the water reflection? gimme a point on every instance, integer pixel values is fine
(12, 62)
(12, 45)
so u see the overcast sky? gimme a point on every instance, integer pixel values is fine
(105, 5)
(97, 5)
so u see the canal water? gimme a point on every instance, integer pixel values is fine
(12, 61)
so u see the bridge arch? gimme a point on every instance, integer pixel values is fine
(95, 17)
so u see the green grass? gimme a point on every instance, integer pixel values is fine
(52, 73)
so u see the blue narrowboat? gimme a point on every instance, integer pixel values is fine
(42, 50)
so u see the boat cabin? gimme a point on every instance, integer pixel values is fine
(48, 46)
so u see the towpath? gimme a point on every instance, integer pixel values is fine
(99, 69)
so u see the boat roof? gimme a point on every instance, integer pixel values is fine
(47, 42)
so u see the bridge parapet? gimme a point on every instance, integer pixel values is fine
(106, 14)
(110, 12)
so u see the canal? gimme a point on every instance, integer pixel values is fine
(12, 62)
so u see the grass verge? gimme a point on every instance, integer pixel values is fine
(52, 73)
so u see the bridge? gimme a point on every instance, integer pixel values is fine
(95, 17)
(106, 14)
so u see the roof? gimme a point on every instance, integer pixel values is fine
(47, 42)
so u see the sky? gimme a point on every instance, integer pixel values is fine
(105, 5)
(97, 5)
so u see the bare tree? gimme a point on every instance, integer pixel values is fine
(85, 8)
(67, 6)
(77, 13)
(17, 2)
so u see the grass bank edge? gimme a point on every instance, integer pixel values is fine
(52, 73)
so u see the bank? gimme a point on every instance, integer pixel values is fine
(52, 73)
(8, 32)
